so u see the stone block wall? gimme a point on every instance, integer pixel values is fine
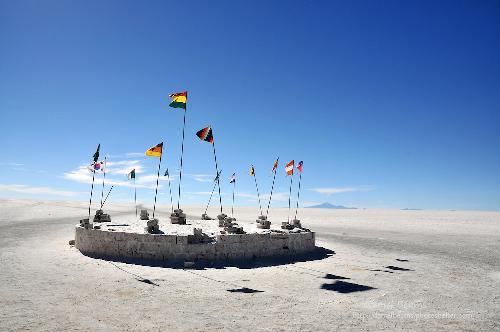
(174, 247)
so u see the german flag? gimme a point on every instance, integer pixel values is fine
(155, 151)
(178, 100)
(206, 134)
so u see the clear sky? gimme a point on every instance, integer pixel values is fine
(390, 104)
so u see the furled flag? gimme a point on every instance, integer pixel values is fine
(166, 173)
(299, 166)
(96, 154)
(289, 168)
(178, 100)
(275, 166)
(206, 134)
(217, 176)
(252, 171)
(155, 151)
(131, 175)
(233, 178)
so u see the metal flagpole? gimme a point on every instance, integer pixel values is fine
(182, 153)
(272, 187)
(170, 189)
(257, 187)
(135, 197)
(91, 189)
(232, 206)
(217, 172)
(103, 178)
(157, 179)
(289, 196)
(298, 196)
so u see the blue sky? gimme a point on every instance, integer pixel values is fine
(390, 104)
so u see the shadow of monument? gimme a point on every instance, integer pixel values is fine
(318, 253)
(245, 290)
(345, 287)
(397, 268)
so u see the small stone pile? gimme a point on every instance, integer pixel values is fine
(152, 226)
(231, 227)
(100, 216)
(205, 216)
(222, 217)
(263, 223)
(199, 237)
(144, 215)
(85, 223)
(178, 217)
(295, 223)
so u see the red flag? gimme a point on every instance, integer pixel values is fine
(205, 134)
(275, 165)
(299, 166)
(289, 168)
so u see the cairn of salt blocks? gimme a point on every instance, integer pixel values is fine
(199, 237)
(100, 216)
(231, 227)
(152, 226)
(295, 223)
(144, 215)
(263, 223)
(178, 217)
(222, 217)
(85, 223)
(205, 216)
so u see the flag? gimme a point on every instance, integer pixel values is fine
(233, 178)
(155, 151)
(289, 168)
(96, 154)
(131, 175)
(178, 100)
(252, 171)
(166, 173)
(206, 134)
(275, 166)
(299, 166)
(97, 166)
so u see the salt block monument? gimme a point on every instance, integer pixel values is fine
(186, 239)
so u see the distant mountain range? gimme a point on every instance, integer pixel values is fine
(331, 206)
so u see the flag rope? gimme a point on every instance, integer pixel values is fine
(91, 190)
(210, 198)
(271, 194)
(103, 178)
(170, 189)
(217, 172)
(257, 187)
(109, 192)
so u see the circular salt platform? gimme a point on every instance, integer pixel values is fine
(197, 240)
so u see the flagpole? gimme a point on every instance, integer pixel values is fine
(271, 195)
(217, 172)
(289, 196)
(182, 153)
(91, 189)
(232, 206)
(135, 197)
(298, 196)
(257, 187)
(170, 189)
(103, 178)
(157, 179)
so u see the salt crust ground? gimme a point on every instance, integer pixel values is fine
(392, 270)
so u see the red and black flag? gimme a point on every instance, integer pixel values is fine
(206, 134)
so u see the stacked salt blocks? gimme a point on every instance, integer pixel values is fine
(295, 223)
(152, 226)
(205, 216)
(231, 227)
(199, 237)
(178, 217)
(144, 215)
(222, 217)
(263, 223)
(100, 216)
(85, 223)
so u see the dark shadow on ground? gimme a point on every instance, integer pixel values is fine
(379, 270)
(318, 253)
(401, 260)
(397, 268)
(244, 290)
(345, 287)
(333, 276)
(147, 281)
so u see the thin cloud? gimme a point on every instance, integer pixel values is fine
(339, 190)
(24, 189)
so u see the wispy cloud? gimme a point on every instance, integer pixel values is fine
(338, 190)
(24, 189)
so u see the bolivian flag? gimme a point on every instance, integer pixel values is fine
(155, 151)
(179, 100)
